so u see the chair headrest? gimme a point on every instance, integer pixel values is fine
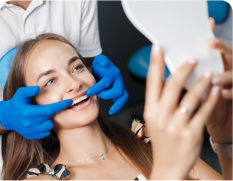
(218, 10)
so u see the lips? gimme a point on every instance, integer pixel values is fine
(82, 105)
(78, 96)
(78, 102)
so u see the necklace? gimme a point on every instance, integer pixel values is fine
(102, 156)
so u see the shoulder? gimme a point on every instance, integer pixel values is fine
(41, 178)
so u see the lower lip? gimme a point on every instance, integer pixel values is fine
(83, 106)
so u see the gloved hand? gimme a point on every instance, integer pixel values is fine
(109, 83)
(31, 121)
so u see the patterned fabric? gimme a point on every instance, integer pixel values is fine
(140, 131)
(59, 172)
(140, 177)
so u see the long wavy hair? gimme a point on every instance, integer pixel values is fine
(20, 154)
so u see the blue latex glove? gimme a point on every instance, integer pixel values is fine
(31, 121)
(109, 83)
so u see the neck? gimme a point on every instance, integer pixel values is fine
(22, 4)
(82, 143)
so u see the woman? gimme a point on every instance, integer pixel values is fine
(87, 142)
(77, 21)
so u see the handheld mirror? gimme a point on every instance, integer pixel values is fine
(181, 28)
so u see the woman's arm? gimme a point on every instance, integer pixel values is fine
(203, 171)
(226, 166)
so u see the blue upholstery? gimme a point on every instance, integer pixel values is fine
(139, 63)
(218, 10)
(5, 64)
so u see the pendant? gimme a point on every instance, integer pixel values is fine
(103, 158)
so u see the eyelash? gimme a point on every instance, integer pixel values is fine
(49, 81)
(79, 66)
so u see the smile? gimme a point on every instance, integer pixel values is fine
(76, 101)
(80, 103)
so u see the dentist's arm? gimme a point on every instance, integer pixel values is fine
(31, 121)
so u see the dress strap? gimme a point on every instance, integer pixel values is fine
(140, 177)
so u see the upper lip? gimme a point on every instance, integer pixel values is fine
(78, 96)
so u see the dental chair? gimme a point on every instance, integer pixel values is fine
(5, 65)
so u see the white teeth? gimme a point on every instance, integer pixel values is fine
(79, 100)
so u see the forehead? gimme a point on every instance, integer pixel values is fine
(50, 49)
(47, 54)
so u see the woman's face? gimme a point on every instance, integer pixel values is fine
(57, 69)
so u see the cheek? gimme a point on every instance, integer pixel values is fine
(91, 79)
(48, 97)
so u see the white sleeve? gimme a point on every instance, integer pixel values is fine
(89, 35)
(9, 36)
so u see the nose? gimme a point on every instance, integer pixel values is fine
(72, 85)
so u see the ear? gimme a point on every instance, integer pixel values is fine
(212, 24)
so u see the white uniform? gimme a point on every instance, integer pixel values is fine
(77, 21)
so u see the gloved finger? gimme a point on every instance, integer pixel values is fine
(115, 91)
(24, 93)
(104, 83)
(117, 106)
(50, 109)
(28, 121)
(101, 61)
(38, 136)
(43, 127)
(35, 129)
(111, 94)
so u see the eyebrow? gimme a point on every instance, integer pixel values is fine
(52, 70)
(73, 59)
(45, 73)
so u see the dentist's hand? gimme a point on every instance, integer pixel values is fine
(31, 121)
(109, 83)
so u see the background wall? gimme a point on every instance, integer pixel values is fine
(119, 40)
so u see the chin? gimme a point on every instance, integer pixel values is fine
(70, 119)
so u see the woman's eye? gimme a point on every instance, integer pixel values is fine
(78, 67)
(50, 82)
